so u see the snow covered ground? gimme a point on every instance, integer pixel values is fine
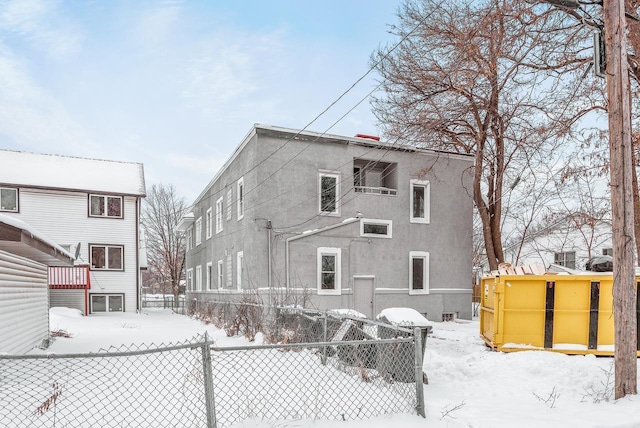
(469, 385)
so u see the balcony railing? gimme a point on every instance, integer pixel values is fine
(69, 278)
(376, 190)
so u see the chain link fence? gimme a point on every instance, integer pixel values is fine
(346, 369)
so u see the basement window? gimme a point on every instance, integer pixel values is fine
(370, 228)
(448, 316)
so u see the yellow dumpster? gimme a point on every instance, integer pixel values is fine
(572, 314)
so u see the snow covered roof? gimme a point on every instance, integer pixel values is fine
(19, 238)
(71, 173)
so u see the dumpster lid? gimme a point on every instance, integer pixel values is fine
(404, 317)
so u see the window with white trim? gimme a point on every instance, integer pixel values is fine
(329, 193)
(190, 279)
(209, 283)
(420, 201)
(329, 263)
(607, 252)
(105, 206)
(371, 228)
(106, 257)
(198, 231)
(240, 194)
(9, 200)
(107, 303)
(209, 223)
(239, 269)
(418, 272)
(566, 259)
(229, 202)
(189, 238)
(229, 271)
(219, 213)
(220, 274)
(199, 278)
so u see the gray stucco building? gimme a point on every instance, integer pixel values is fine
(334, 222)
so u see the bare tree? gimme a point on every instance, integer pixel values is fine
(162, 211)
(483, 78)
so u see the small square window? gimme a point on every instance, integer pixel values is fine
(8, 199)
(566, 259)
(106, 257)
(105, 206)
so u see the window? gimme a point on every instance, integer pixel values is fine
(607, 252)
(105, 206)
(419, 201)
(198, 278)
(240, 269)
(449, 316)
(107, 303)
(219, 215)
(329, 270)
(418, 272)
(190, 279)
(209, 276)
(375, 177)
(229, 271)
(229, 202)
(566, 259)
(329, 194)
(375, 228)
(209, 223)
(9, 199)
(190, 238)
(198, 231)
(240, 191)
(107, 257)
(220, 274)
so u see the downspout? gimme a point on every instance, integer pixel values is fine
(138, 302)
(269, 254)
(309, 233)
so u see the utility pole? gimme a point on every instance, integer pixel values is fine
(620, 165)
(624, 287)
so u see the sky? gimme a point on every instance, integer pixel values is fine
(176, 85)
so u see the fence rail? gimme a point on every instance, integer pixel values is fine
(198, 384)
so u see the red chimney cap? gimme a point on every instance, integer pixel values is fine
(370, 137)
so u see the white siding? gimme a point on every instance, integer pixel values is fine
(63, 217)
(24, 304)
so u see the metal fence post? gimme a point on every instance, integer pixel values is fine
(324, 338)
(208, 383)
(417, 340)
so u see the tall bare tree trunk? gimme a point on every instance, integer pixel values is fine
(624, 289)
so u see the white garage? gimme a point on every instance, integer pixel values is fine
(25, 257)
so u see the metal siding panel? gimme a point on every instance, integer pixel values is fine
(67, 299)
(24, 304)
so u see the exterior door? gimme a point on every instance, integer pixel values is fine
(363, 294)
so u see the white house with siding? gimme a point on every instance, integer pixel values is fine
(25, 257)
(89, 207)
